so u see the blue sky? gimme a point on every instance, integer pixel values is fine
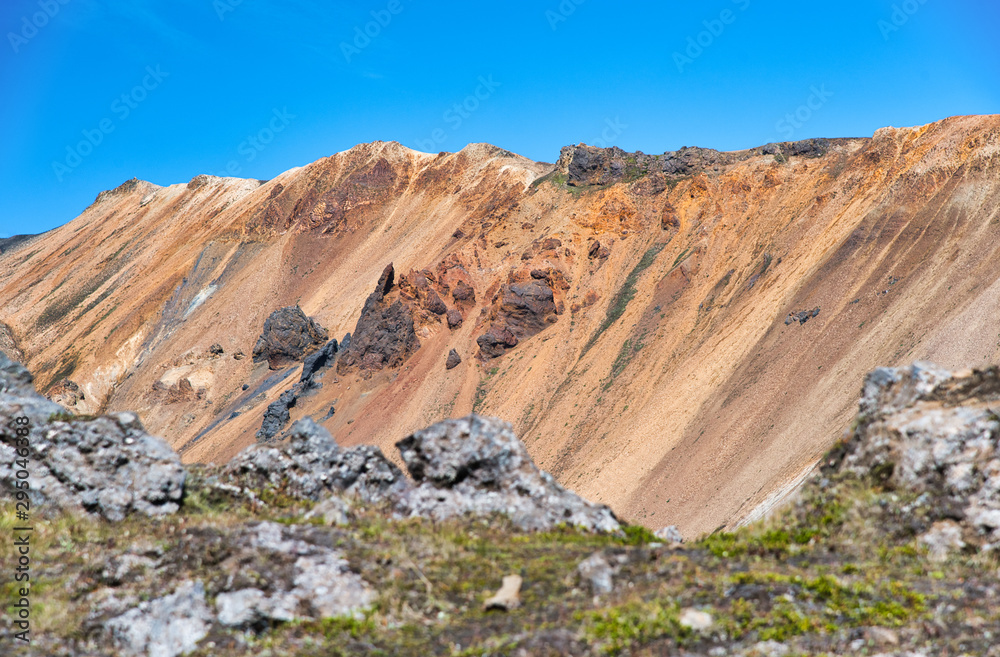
(96, 92)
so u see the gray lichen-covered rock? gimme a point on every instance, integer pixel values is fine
(166, 627)
(476, 465)
(108, 465)
(260, 574)
(309, 465)
(929, 431)
(304, 579)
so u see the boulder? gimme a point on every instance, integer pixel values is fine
(288, 337)
(497, 340)
(476, 465)
(935, 434)
(309, 464)
(524, 310)
(454, 318)
(463, 292)
(454, 360)
(165, 627)
(107, 466)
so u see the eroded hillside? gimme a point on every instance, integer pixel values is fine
(677, 336)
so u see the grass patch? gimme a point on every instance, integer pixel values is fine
(625, 294)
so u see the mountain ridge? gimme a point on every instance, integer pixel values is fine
(668, 363)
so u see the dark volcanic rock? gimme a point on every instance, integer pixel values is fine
(434, 303)
(463, 292)
(528, 307)
(454, 318)
(384, 335)
(309, 465)
(802, 316)
(276, 417)
(454, 360)
(322, 359)
(496, 340)
(108, 466)
(524, 310)
(288, 337)
(589, 165)
(476, 465)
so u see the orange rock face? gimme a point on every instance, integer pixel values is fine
(648, 364)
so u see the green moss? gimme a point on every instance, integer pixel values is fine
(625, 294)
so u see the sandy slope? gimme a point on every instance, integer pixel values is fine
(692, 407)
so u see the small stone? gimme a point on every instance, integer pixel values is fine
(508, 597)
(597, 572)
(216, 349)
(699, 621)
(942, 539)
(669, 534)
(882, 637)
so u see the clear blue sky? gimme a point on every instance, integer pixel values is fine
(98, 91)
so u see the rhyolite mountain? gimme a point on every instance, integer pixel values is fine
(678, 336)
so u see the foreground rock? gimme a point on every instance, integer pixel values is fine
(476, 465)
(260, 575)
(931, 432)
(108, 466)
(310, 465)
(288, 337)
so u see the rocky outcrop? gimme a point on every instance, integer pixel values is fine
(309, 465)
(589, 165)
(933, 434)
(524, 309)
(384, 336)
(454, 360)
(476, 465)
(288, 337)
(107, 466)
(8, 345)
(801, 316)
(277, 415)
(319, 361)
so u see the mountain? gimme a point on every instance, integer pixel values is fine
(678, 336)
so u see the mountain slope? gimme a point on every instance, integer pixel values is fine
(655, 369)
